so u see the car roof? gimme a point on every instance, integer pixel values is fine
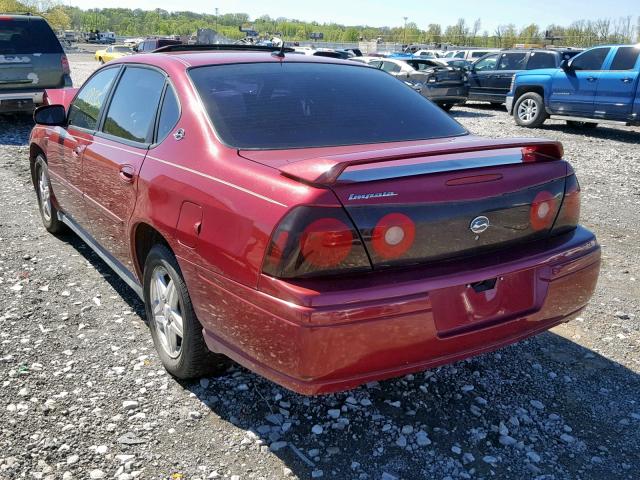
(21, 16)
(190, 59)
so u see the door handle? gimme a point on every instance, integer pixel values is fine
(625, 80)
(77, 151)
(127, 173)
(591, 79)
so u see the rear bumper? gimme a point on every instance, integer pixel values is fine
(20, 101)
(331, 338)
(453, 94)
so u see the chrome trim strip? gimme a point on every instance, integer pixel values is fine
(223, 182)
(109, 259)
(382, 173)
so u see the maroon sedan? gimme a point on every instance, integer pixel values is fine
(313, 219)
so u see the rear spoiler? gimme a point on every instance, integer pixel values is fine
(59, 96)
(327, 170)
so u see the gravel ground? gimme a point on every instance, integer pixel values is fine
(85, 396)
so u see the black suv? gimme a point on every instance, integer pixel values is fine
(32, 60)
(151, 44)
(490, 76)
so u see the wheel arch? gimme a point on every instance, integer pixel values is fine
(34, 151)
(521, 90)
(144, 236)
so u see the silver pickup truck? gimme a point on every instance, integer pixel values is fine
(31, 60)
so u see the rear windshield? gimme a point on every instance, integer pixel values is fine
(298, 105)
(27, 36)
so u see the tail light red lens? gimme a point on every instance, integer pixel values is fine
(543, 152)
(326, 242)
(315, 241)
(569, 214)
(393, 235)
(544, 209)
(65, 65)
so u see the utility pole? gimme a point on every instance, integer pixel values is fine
(405, 30)
(216, 19)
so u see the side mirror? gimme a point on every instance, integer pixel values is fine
(50, 115)
(566, 65)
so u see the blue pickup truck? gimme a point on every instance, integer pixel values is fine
(600, 85)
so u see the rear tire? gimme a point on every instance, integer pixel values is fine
(48, 211)
(577, 124)
(101, 61)
(529, 110)
(177, 333)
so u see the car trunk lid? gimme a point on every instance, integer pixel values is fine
(448, 198)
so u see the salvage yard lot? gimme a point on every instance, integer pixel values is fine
(84, 395)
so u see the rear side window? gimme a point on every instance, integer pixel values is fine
(625, 59)
(512, 61)
(541, 60)
(299, 105)
(169, 114)
(478, 54)
(591, 59)
(390, 67)
(133, 107)
(27, 36)
(85, 108)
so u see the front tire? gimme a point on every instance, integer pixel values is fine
(48, 211)
(529, 110)
(577, 124)
(177, 333)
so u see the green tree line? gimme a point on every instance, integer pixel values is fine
(137, 22)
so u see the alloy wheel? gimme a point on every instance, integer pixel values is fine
(167, 311)
(527, 110)
(44, 194)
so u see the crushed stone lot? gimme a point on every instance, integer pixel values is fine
(84, 396)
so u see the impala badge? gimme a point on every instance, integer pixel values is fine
(479, 224)
(367, 196)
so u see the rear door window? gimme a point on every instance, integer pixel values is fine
(85, 109)
(541, 60)
(626, 58)
(24, 36)
(512, 61)
(133, 107)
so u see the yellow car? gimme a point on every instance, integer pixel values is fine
(112, 52)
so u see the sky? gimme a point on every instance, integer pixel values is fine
(379, 13)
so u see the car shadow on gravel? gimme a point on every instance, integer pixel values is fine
(467, 114)
(120, 287)
(601, 132)
(15, 129)
(546, 406)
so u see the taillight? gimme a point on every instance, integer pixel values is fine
(393, 235)
(544, 209)
(312, 241)
(542, 152)
(65, 65)
(569, 214)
